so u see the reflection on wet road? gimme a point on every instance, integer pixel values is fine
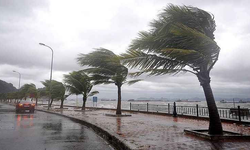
(42, 131)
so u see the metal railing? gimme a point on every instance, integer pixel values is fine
(238, 114)
(235, 114)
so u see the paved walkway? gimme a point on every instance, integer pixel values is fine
(155, 132)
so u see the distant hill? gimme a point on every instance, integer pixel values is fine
(6, 87)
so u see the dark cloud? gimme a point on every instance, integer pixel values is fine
(20, 8)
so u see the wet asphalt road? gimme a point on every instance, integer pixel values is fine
(43, 131)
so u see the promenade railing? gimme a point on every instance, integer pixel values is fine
(235, 114)
(239, 114)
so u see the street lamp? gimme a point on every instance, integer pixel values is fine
(19, 81)
(50, 69)
(19, 78)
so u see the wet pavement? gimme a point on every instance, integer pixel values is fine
(155, 132)
(44, 131)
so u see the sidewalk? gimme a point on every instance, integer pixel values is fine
(155, 132)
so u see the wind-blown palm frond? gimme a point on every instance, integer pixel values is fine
(102, 82)
(100, 58)
(100, 71)
(57, 90)
(185, 37)
(133, 81)
(181, 37)
(137, 58)
(157, 72)
(73, 90)
(106, 66)
(28, 90)
(93, 93)
(100, 77)
(77, 82)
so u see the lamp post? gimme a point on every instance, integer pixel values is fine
(50, 70)
(18, 82)
(19, 78)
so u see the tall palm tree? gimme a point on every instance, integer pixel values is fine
(180, 40)
(33, 92)
(28, 90)
(57, 90)
(77, 82)
(106, 69)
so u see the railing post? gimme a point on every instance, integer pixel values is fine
(147, 107)
(239, 114)
(168, 108)
(174, 112)
(130, 106)
(197, 110)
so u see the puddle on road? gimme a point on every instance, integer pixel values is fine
(24, 120)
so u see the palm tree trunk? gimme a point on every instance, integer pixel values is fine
(84, 98)
(36, 100)
(215, 126)
(51, 102)
(118, 109)
(62, 100)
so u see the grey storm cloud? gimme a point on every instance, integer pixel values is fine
(21, 8)
(73, 27)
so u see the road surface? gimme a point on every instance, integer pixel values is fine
(43, 131)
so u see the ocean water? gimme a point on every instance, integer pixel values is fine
(126, 104)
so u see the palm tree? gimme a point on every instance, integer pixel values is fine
(15, 96)
(180, 40)
(77, 82)
(62, 99)
(106, 69)
(28, 90)
(3, 96)
(57, 90)
(33, 92)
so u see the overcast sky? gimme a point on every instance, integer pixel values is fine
(78, 26)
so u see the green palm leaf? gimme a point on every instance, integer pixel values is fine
(181, 37)
(133, 81)
(93, 93)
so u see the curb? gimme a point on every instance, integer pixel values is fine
(111, 139)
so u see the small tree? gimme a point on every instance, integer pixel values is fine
(77, 82)
(33, 92)
(106, 69)
(57, 90)
(28, 90)
(42, 92)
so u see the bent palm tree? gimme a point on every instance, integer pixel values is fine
(28, 90)
(106, 69)
(180, 40)
(77, 82)
(57, 90)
